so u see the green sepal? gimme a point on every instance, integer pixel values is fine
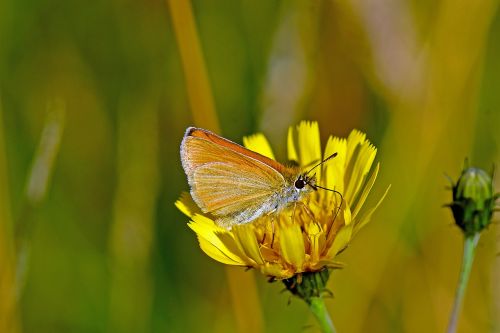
(308, 285)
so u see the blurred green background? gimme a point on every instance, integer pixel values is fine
(95, 97)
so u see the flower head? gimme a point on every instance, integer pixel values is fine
(306, 237)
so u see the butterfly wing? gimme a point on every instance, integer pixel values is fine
(227, 180)
(212, 137)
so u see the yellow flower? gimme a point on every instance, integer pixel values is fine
(307, 237)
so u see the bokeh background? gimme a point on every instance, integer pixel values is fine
(94, 100)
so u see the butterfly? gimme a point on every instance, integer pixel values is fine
(236, 185)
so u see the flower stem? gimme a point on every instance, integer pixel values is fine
(470, 243)
(318, 308)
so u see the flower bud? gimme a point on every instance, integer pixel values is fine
(473, 200)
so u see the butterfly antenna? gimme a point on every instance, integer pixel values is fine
(317, 165)
(325, 188)
(337, 192)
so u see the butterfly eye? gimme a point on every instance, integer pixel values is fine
(299, 184)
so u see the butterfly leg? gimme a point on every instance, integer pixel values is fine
(293, 211)
(308, 211)
(267, 230)
(273, 217)
(264, 238)
(272, 232)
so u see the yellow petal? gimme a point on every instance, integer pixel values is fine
(217, 242)
(217, 254)
(363, 159)
(366, 190)
(292, 245)
(341, 240)
(369, 156)
(317, 239)
(309, 143)
(335, 168)
(258, 143)
(330, 263)
(292, 152)
(354, 139)
(186, 205)
(347, 214)
(247, 240)
(276, 270)
(183, 208)
(367, 216)
(269, 254)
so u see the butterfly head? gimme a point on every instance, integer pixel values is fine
(305, 183)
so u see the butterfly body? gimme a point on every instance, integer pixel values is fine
(277, 201)
(237, 185)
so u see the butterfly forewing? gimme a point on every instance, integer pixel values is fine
(225, 179)
(240, 202)
(209, 136)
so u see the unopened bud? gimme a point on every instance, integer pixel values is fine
(473, 200)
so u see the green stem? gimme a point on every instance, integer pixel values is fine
(318, 308)
(470, 243)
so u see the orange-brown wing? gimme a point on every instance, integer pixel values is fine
(233, 198)
(226, 183)
(212, 137)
